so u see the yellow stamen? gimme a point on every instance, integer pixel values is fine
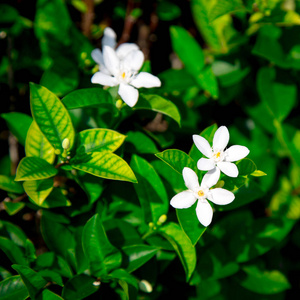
(218, 155)
(200, 193)
(123, 75)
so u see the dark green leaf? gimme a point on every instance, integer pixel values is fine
(102, 256)
(138, 142)
(13, 288)
(246, 167)
(8, 184)
(150, 190)
(48, 295)
(13, 207)
(34, 168)
(12, 251)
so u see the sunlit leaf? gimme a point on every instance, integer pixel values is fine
(38, 190)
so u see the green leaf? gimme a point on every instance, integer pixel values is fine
(138, 142)
(51, 116)
(96, 140)
(190, 224)
(12, 251)
(208, 133)
(102, 256)
(182, 245)
(207, 80)
(38, 190)
(150, 190)
(104, 164)
(18, 124)
(13, 232)
(158, 104)
(8, 184)
(48, 295)
(13, 208)
(177, 160)
(223, 7)
(37, 145)
(258, 173)
(52, 277)
(79, 287)
(246, 167)
(138, 255)
(13, 288)
(263, 282)
(34, 168)
(187, 49)
(33, 281)
(258, 237)
(167, 11)
(8, 13)
(88, 97)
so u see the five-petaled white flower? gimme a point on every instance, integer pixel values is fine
(201, 192)
(120, 67)
(219, 158)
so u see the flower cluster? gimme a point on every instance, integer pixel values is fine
(120, 67)
(218, 159)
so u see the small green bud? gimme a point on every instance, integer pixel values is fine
(66, 144)
(162, 219)
(119, 104)
(145, 286)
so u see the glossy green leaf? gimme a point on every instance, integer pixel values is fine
(258, 237)
(8, 184)
(37, 145)
(190, 224)
(138, 255)
(30, 251)
(150, 190)
(102, 256)
(88, 97)
(18, 124)
(48, 295)
(34, 168)
(13, 232)
(79, 287)
(207, 80)
(33, 281)
(262, 281)
(188, 50)
(246, 167)
(223, 7)
(104, 164)
(208, 133)
(13, 207)
(51, 276)
(158, 104)
(177, 160)
(51, 116)
(258, 173)
(13, 288)
(13, 252)
(38, 190)
(96, 140)
(138, 142)
(182, 245)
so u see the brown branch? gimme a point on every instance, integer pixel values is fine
(128, 23)
(88, 18)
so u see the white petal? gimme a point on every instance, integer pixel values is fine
(146, 80)
(190, 179)
(97, 56)
(221, 196)
(109, 38)
(133, 60)
(204, 212)
(111, 60)
(129, 94)
(221, 138)
(206, 164)
(235, 153)
(228, 168)
(125, 48)
(104, 79)
(211, 178)
(203, 145)
(183, 200)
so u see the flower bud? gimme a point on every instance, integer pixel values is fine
(162, 219)
(66, 144)
(119, 104)
(145, 286)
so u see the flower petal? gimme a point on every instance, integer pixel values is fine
(190, 179)
(221, 196)
(204, 212)
(221, 138)
(228, 168)
(104, 79)
(236, 152)
(97, 56)
(210, 178)
(206, 164)
(125, 48)
(133, 60)
(129, 94)
(146, 80)
(111, 60)
(109, 38)
(184, 199)
(202, 145)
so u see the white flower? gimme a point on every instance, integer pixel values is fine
(218, 159)
(120, 67)
(201, 192)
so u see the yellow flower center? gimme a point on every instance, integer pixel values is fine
(217, 155)
(123, 75)
(200, 193)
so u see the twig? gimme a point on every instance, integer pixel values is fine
(88, 18)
